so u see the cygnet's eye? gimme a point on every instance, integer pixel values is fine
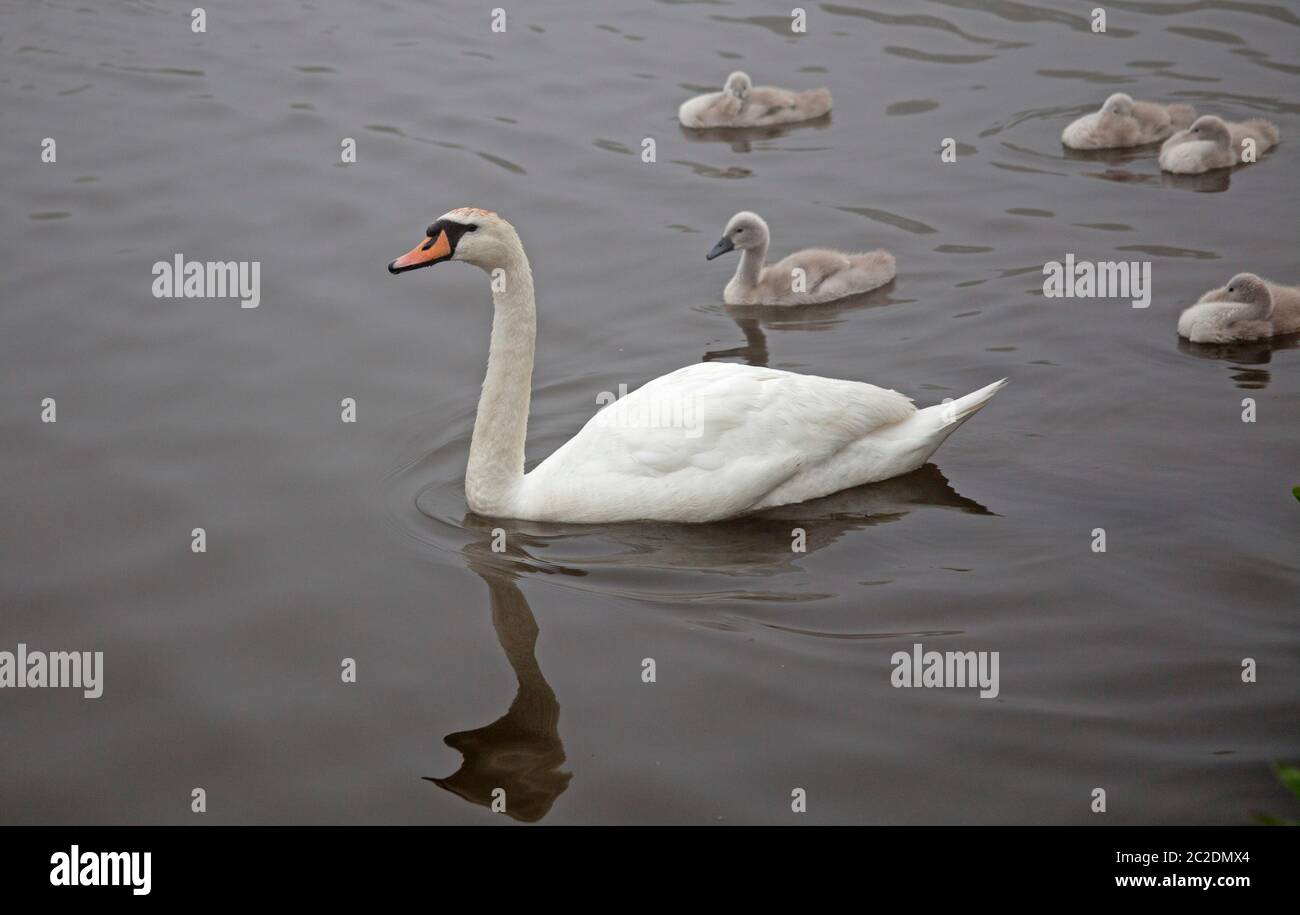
(1230, 289)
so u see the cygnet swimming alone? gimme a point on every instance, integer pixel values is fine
(1248, 308)
(803, 278)
(742, 104)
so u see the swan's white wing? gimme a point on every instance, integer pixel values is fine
(704, 442)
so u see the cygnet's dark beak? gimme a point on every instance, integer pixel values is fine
(722, 247)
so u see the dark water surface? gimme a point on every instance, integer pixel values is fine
(522, 670)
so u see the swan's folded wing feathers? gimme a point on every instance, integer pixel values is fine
(817, 264)
(715, 427)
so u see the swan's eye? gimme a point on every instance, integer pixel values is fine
(1230, 289)
(471, 228)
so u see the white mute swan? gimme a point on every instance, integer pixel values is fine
(1212, 143)
(742, 104)
(1248, 308)
(710, 441)
(1125, 122)
(804, 278)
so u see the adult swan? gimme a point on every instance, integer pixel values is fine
(706, 442)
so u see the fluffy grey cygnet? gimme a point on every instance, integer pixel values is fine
(1122, 121)
(804, 278)
(742, 104)
(1212, 143)
(1248, 308)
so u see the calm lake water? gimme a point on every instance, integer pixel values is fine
(522, 670)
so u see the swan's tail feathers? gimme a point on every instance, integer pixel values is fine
(963, 408)
(930, 427)
(1181, 115)
(1265, 130)
(878, 267)
(818, 102)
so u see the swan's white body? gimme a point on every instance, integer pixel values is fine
(704, 443)
(748, 438)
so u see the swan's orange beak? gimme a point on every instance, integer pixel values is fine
(430, 251)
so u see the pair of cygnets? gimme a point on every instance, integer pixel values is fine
(809, 277)
(1191, 145)
(1248, 308)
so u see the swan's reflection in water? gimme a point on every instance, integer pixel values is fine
(741, 139)
(754, 352)
(1246, 356)
(753, 545)
(1122, 155)
(1117, 160)
(519, 753)
(1212, 182)
(755, 320)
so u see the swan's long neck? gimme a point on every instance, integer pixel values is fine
(751, 263)
(496, 452)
